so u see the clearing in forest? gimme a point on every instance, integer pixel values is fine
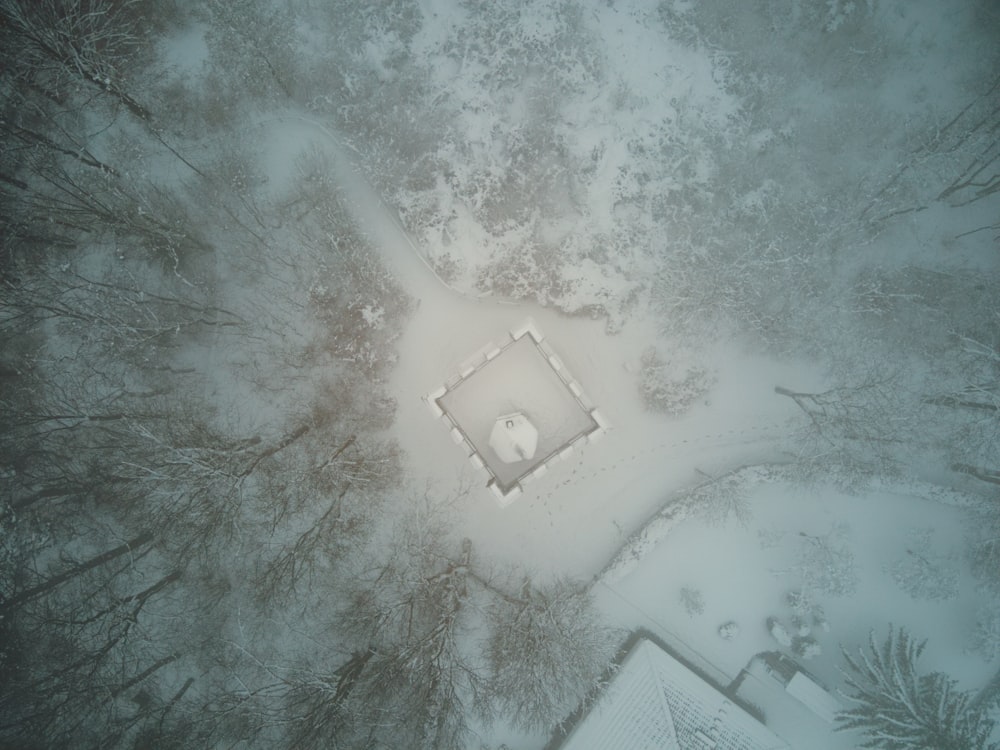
(514, 408)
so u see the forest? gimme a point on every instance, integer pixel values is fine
(212, 533)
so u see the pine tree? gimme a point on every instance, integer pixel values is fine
(897, 709)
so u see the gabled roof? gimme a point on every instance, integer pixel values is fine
(654, 702)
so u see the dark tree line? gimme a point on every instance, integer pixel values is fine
(194, 437)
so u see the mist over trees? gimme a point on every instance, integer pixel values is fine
(199, 476)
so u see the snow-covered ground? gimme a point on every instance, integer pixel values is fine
(605, 491)
(576, 519)
(745, 573)
(653, 117)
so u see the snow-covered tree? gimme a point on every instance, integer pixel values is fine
(670, 388)
(985, 636)
(806, 647)
(923, 574)
(858, 425)
(826, 563)
(984, 544)
(59, 44)
(722, 498)
(975, 401)
(422, 682)
(729, 630)
(955, 165)
(547, 647)
(895, 708)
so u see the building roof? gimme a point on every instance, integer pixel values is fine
(522, 376)
(654, 702)
(817, 699)
(514, 438)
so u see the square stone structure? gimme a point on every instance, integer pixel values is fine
(522, 375)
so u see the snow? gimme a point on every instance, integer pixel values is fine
(518, 380)
(662, 109)
(655, 702)
(514, 438)
(186, 51)
(749, 571)
(818, 700)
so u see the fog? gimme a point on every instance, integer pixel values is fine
(268, 269)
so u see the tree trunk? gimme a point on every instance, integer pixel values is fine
(955, 401)
(94, 562)
(154, 667)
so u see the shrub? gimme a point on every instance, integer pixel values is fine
(693, 601)
(668, 389)
(729, 630)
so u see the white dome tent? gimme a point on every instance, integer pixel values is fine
(514, 438)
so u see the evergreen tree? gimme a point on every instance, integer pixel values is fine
(898, 709)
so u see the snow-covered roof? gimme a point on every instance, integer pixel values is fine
(514, 438)
(654, 702)
(812, 695)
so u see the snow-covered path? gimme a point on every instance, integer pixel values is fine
(572, 521)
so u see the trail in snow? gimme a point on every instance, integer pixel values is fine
(604, 492)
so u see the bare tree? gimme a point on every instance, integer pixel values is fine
(861, 425)
(83, 202)
(826, 563)
(256, 45)
(81, 644)
(31, 123)
(976, 403)
(321, 512)
(54, 44)
(922, 573)
(547, 648)
(965, 148)
(422, 683)
(362, 304)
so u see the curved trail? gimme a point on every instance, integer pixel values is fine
(604, 492)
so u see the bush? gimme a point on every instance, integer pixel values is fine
(693, 601)
(669, 389)
(729, 630)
